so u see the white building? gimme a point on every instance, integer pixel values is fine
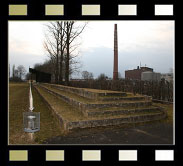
(150, 76)
(167, 76)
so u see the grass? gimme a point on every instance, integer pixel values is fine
(127, 97)
(48, 124)
(90, 90)
(169, 109)
(70, 95)
(86, 100)
(18, 103)
(67, 111)
(120, 108)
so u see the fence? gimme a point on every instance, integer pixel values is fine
(162, 90)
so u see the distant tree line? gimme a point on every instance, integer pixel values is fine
(17, 73)
(61, 46)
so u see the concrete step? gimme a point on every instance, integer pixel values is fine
(132, 98)
(116, 120)
(83, 103)
(113, 111)
(70, 117)
(86, 92)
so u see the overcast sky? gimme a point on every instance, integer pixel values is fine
(150, 43)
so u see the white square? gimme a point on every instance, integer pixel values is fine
(127, 155)
(164, 155)
(162, 10)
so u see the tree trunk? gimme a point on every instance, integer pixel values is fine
(56, 72)
(67, 66)
(67, 56)
(61, 68)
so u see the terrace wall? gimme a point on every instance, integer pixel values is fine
(162, 90)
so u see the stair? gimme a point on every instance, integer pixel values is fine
(120, 111)
(74, 110)
(88, 93)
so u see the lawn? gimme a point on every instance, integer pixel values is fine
(19, 103)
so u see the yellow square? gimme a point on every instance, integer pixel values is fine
(127, 10)
(54, 10)
(18, 155)
(17, 10)
(55, 155)
(90, 9)
(91, 155)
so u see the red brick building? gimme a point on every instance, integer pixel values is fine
(135, 74)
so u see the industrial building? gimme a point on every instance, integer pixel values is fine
(135, 74)
(150, 76)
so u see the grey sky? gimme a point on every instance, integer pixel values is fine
(148, 42)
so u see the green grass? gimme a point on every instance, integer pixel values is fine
(18, 103)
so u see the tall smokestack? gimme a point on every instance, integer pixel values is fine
(115, 69)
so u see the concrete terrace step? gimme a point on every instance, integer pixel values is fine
(101, 95)
(132, 98)
(86, 92)
(83, 103)
(115, 120)
(120, 111)
(70, 117)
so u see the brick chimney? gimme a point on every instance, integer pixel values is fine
(115, 69)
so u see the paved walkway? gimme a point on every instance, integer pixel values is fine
(150, 133)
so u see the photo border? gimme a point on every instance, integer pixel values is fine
(146, 153)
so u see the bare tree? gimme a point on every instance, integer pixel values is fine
(61, 48)
(21, 71)
(52, 46)
(87, 75)
(102, 77)
(13, 71)
(9, 70)
(16, 73)
(72, 31)
(62, 45)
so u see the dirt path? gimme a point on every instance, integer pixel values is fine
(152, 133)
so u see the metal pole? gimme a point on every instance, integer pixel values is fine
(31, 135)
